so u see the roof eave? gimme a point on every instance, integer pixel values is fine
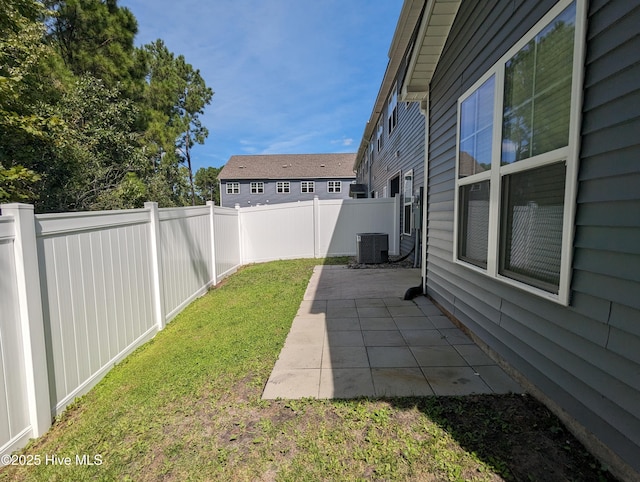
(432, 36)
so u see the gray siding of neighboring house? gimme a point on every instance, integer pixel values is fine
(402, 151)
(585, 357)
(270, 196)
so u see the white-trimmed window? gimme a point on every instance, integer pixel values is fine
(379, 135)
(334, 186)
(307, 186)
(257, 187)
(283, 187)
(517, 156)
(233, 188)
(407, 201)
(392, 110)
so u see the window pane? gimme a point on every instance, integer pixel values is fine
(476, 130)
(516, 134)
(533, 204)
(408, 188)
(406, 222)
(551, 119)
(485, 104)
(555, 50)
(468, 116)
(474, 223)
(484, 139)
(537, 92)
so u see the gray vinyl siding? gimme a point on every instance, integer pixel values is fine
(585, 357)
(402, 151)
(245, 198)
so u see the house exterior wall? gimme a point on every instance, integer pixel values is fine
(402, 151)
(584, 357)
(245, 198)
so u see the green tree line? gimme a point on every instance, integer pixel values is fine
(89, 121)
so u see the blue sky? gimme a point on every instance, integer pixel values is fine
(289, 76)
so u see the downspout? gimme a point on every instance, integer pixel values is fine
(422, 289)
(424, 110)
(369, 164)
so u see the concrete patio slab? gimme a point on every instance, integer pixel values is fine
(369, 302)
(343, 324)
(300, 356)
(497, 379)
(383, 338)
(413, 323)
(456, 336)
(424, 337)
(473, 355)
(346, 383)
(342, 312)
(354, 335)
(391, 356)
(438, 356)
(405, 310)
(455, 380)
(292, 383)
(344, 338)
(345, 357)
(377, 324)
(374, 312)
(441, 321)
(400, 382)
(302, 323)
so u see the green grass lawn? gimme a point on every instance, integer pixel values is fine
(187, 406)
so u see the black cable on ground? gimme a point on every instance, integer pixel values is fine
(403, 258)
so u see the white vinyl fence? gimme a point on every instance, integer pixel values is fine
(315, 229)
(80, 291)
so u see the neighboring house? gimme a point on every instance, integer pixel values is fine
(390, 159)
(283, 178)
(532, 236)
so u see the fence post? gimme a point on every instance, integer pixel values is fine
(156, 264)
(316, 227)
(214, 274)
(31, 316)
(240, 237)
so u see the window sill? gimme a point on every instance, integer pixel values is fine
(553, 297)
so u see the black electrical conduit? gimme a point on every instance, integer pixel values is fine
(403, 258)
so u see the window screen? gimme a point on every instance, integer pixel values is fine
(474, 223)
(532, 209)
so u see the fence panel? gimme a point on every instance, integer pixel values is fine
(15, 426)
(96, 294)
(226, 240)
(280, 231)
(185, 247)
(340, 220)
(106, 278)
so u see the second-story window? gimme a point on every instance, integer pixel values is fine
(392, 110)
(283, 187)
(334, 186)
(257, 187)
(307, 186)
(233, 188)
